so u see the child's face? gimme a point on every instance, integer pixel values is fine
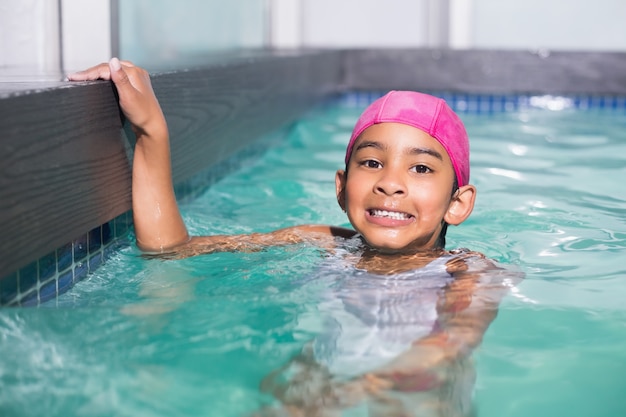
(398, 187)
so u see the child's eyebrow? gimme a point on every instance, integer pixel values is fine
(370, 144)
(428, 151)
(410, 151)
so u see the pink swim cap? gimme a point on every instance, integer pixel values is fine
(427, 113)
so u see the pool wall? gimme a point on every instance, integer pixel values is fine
(65, 160)
(488, 71)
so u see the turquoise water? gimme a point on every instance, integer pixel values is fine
(195, 337)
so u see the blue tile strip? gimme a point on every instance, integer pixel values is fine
(498, 103)
(56, 272)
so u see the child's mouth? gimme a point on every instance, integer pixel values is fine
(394, 215)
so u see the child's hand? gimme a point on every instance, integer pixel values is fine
(136, 96)
(422, 367)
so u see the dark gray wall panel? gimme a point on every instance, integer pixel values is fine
(485, 71)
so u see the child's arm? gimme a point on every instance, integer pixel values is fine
(464, 313)
(159, 227)
(158, 223)
(320, 235)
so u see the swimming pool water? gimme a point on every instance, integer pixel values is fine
(194, 337)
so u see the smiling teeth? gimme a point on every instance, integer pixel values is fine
(391, 214)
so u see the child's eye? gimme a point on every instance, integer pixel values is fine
(371, 163)
(421, 169)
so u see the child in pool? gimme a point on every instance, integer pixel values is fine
(405, 180)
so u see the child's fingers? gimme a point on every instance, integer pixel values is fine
(125, 88)
(118, 75)
(136, 97)
(98, 72)
(135, 94)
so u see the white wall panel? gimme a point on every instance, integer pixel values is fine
(29, 37)
(365, 23)
(550, 24)
(86, 33)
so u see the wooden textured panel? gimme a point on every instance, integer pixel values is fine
(63, 169)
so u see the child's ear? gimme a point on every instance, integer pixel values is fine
(340, 188)
(461, 205)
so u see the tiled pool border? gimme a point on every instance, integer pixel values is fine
(53, 274)
(474, 103)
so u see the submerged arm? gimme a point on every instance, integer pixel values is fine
(320, 235)
(465, 311)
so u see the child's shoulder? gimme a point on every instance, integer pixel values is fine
(462, 259)
(475, 265)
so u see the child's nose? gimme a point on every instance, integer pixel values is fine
(390, 183)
